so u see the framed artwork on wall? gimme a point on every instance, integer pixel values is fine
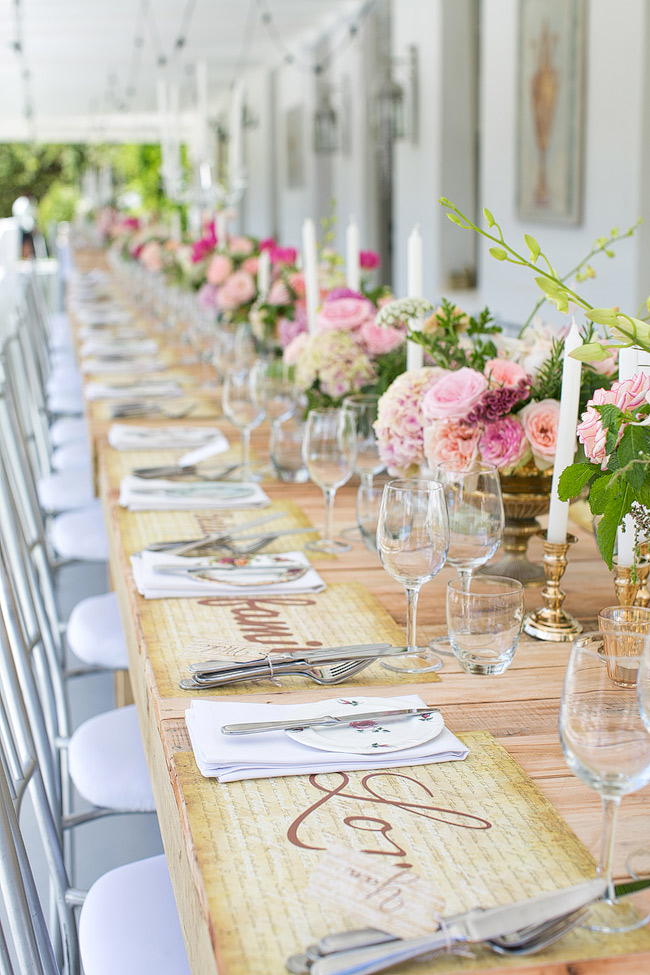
(295, 147)
(551, 108)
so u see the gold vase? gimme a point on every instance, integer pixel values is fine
(525, 496)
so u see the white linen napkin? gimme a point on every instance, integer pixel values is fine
(103, 345)
(154, 388)
(154, 585)
(124, 436)
(131, 365)
(230, 758)
(159, 494)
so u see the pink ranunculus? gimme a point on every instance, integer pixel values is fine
(504, 372)
(451, 444)
(251, 264)
(369, 260)
(453, 396)
(283, 255)
(268, 244)
(241, 246)
(503, 443)
(151, 256)
(336, 293)
(219, 268)
(346, 314)
(292, 352)
(591, 432)
(278, 293)
(540, 420)
(630, 394)
(236, 291)
(207, 297)
(377, 340)
(297, 284)
(289, 329)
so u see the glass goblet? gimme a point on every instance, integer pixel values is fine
(363, 409)
(244, 410)
(328, 450)
(607, 745)
(413, 540)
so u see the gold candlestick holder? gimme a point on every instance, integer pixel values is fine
(629, 580)
(551, 622)
(643, 593)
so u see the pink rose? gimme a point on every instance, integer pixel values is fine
(292, 352)
(345, 313)
(278, 293)
(453, 396)
(540, 420)
(297, 284)
(207, 297)
(503, 443)
(219, 267)
(504, 372)
(289, 329)
(378, 340)
(451, 444)
(369, 260)
(283, 255)
(240, 246)
(151, 256)
(238, 290)
(630, 394)
(251, 264)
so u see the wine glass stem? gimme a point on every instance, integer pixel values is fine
(610, 806)
(328, 532)
(366, 478)
(412, 594)
(245, 454)
(465, 579)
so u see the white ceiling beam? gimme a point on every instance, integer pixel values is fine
(116, 127)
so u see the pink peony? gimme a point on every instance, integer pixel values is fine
(289, 329)
(377, 340)
(346, 314)
(151, 256)
(238, 290)
(251, 264)
(451, 444)
(241, 246)
(454, 395)
(283, 255)
(540, 420)
(219, 267)
(503, 443)
(278, 293)
(369, 260)
(292, 351)
(504, 372)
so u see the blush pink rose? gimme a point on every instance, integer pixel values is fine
(278, 294)
(219, 267)
(377, 340)
(503, 443)
(151, 256)
(347, 314)
(238, 290)
(297, 284)
(504, 372)
(455, 395)
(240, 246)
(251, 264)
(540, 421)
(451, 444)
(292, 352)
(630, 394)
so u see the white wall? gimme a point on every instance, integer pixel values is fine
(617, 169)
(258, 211)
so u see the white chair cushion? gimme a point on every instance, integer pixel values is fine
(64, 379)
(95, 634)
(68, 429)
(60, 333)
(65, 401)
(107, 762)
(72, 456)
(129, 923)
(80, 534)
(65, 490)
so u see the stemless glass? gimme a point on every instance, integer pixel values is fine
(484, 618)
(329, 450)
(412, 540)
(363, 409)
(242, 407)
(607, 745)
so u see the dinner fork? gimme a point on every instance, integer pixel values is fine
(331, 674)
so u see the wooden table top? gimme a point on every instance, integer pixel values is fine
(519, 708)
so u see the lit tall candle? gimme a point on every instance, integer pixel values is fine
(310, 271)
(414, 352)
(264, 273)
(558, 515)
(628, 365)
(352, 267)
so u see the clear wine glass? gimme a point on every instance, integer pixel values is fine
(329, 450)
(242, 407)
(606, 744)
(412, 541)
(363, 409)
(368, 503)
(476, 522)
(275, 389)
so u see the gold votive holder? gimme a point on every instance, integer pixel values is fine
(551, 622)
(629, 579)
(625, 630)
(643, 593)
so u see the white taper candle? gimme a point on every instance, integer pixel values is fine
(558, 515)
(310, 271)
(264, 274)
(352, 267)
(628, 365)
(414, 352)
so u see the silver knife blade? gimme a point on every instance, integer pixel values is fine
(325, 721)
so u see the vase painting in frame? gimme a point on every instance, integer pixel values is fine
(551, 110)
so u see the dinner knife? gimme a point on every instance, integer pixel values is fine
(171, 570)
(348, 651)
(324, 721)
(471, 927)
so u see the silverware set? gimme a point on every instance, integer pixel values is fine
(238, 541)
(131, 410)
(175, 472)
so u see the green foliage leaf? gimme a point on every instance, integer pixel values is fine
(634, 446)
(602, 316)
(599, 493)
(573, 479)
(591, 352)
(499, 254)
(533, 246)
(619, 504)
(612, 419)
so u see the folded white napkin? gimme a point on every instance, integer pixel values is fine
(103, 345)
(132, 365)
(154, 585)
(123, 436)
(230, 758)
(159, 494)
(102, 314)
(155, 388)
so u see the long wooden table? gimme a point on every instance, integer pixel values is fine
(197, 816)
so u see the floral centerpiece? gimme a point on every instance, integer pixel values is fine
(226, 276)
(279, 316)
